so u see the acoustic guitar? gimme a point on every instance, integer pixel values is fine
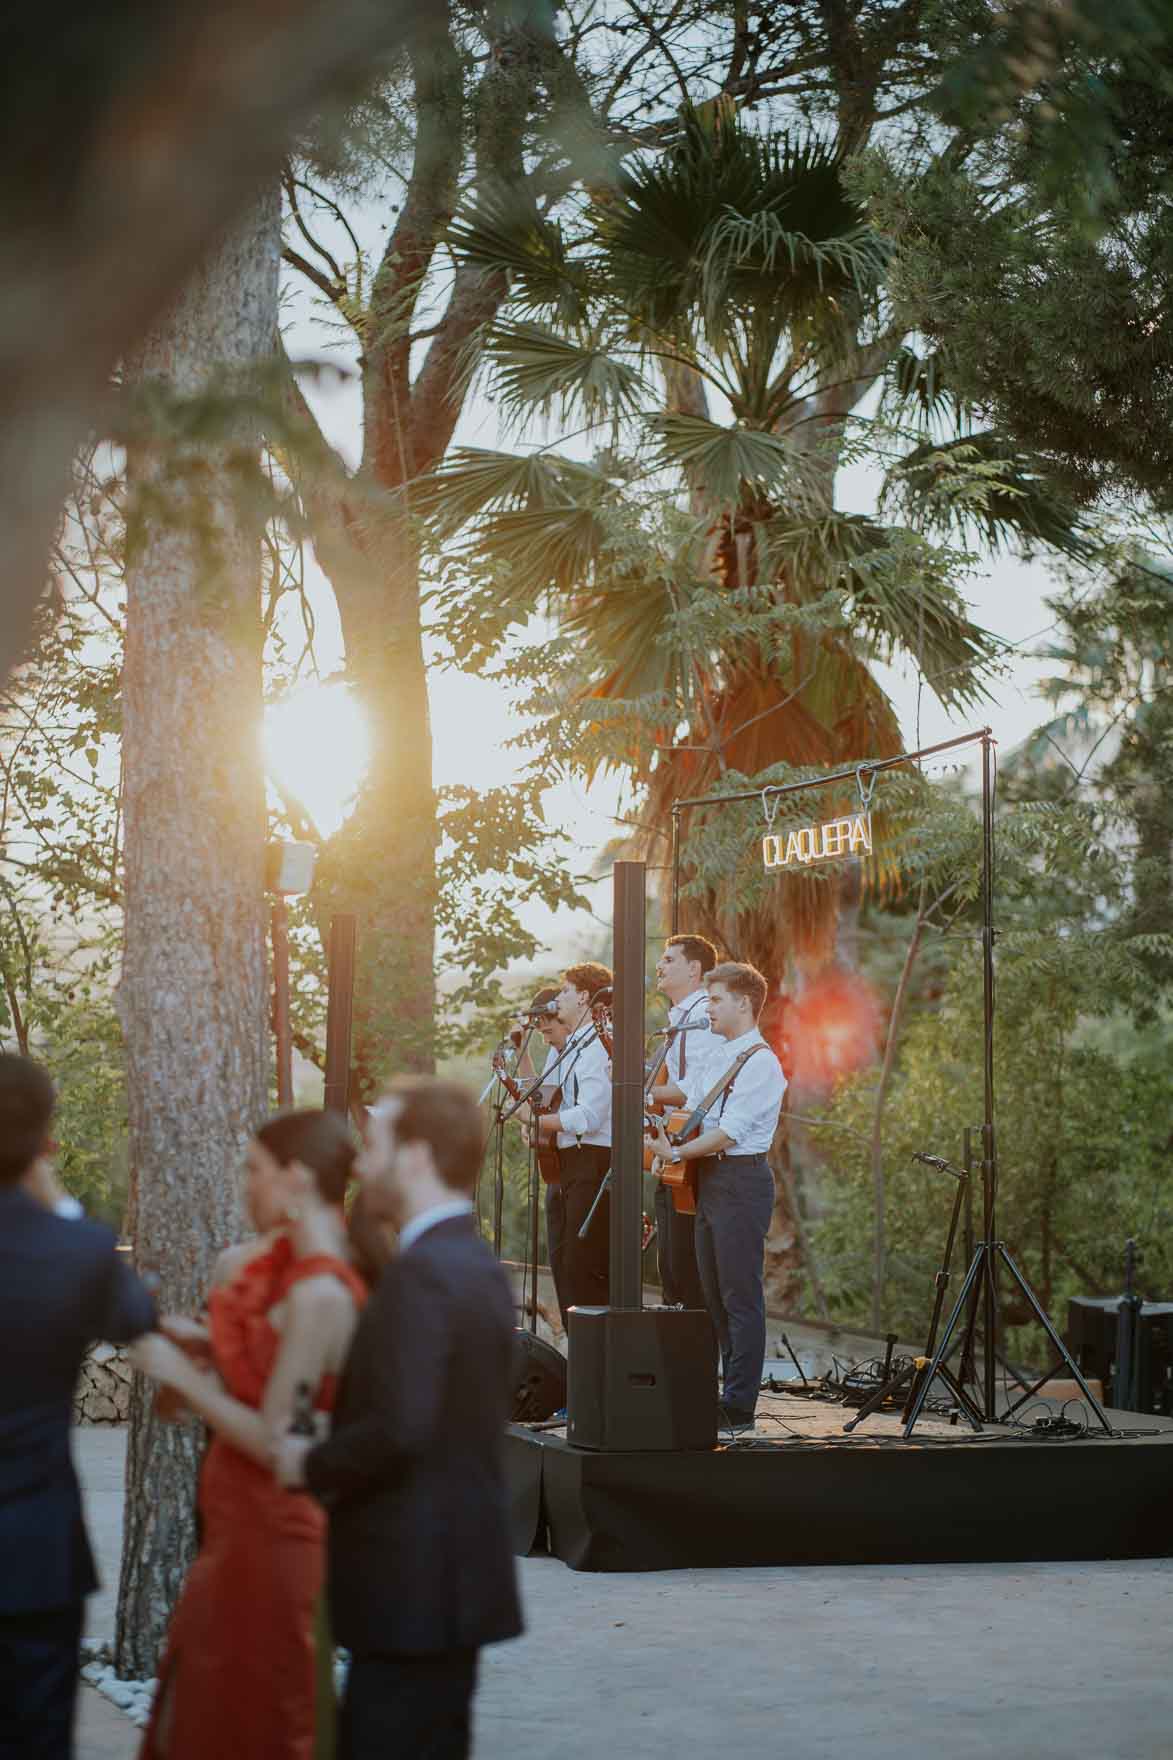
(680, 1127)
(546, 1097)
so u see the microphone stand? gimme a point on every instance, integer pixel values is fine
(919, 1368)
(495, 1148)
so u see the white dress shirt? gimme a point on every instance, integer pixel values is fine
(748, 1111)
(691, 1048)
(410, 1233)
(585, 1075)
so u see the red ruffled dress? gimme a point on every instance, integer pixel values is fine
(238, 1676)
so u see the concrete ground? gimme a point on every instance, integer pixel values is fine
(1041, 1662)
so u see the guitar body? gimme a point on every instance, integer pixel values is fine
(549, 1166)
(680, 1177)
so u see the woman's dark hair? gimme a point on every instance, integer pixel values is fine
(321, 1141)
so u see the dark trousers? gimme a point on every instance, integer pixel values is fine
(680, 1280)
(408, 1707)
(38, 1683)
(734, 1206)
(581, 1269)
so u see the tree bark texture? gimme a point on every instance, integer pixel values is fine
(193, 994)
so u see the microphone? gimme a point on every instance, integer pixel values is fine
(688, 1027)
(541, 1012)
(940, 1163)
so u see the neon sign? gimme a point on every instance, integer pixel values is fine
(828, 842)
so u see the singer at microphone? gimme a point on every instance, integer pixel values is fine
(581, 1130)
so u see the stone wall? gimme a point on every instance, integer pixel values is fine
(102, 1395)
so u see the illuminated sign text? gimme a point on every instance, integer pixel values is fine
(835, 838)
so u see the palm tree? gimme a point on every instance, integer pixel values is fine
(722, 616)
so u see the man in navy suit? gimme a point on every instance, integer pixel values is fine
(61, 1287)
(421, 1567)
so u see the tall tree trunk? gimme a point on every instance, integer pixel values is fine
(193, 990)
(382, 865)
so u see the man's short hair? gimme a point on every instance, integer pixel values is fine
(446, 1117)
(695, 948)
(27, 1104)
(589, 976)
(741, 980)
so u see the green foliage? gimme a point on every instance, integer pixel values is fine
(1083, 1139)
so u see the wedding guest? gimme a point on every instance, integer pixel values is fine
(62, 1286)
(420, 1563)
(247, 1669)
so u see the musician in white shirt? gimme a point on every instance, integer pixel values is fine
(582, 1129)
(555, 1034)
(735, 1186)
(680, 975)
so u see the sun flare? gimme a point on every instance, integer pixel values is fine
(317, 746)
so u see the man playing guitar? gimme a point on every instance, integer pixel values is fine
(680, 974)
(582, 1130)
(735, 1198)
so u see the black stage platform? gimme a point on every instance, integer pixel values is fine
(801, 1492)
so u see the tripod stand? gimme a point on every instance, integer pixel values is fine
(982, 1275)
(918, 1374)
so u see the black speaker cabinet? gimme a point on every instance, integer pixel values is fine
(641, 1380)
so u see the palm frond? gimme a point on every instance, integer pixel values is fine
(543, 549)
(749, 257)
(473, 480)
(504, 231)
(725, 462)
(535, 369)
(921, 385)
(726, 214)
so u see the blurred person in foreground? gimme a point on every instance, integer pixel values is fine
(62, 1287)
(421, 1569)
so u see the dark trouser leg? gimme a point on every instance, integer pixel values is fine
(556, 1242)
(680, 1280)
(408, 1707)
(586, 1264)
(736, 1203)
(706, 1259)
(38, 1683)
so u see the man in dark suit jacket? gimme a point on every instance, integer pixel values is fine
(421, 1566)
(61, 1287)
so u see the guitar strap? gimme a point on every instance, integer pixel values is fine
(697, 1115)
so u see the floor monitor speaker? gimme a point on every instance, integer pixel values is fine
(539, 1379)
(641, 1379)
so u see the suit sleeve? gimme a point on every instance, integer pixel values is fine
(125, 1308)
(412, 1320)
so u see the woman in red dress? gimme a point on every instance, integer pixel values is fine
(240, 1676)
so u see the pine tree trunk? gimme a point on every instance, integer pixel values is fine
(193, 990)
(382, 865)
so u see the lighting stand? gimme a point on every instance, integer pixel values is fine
(915, 1372)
